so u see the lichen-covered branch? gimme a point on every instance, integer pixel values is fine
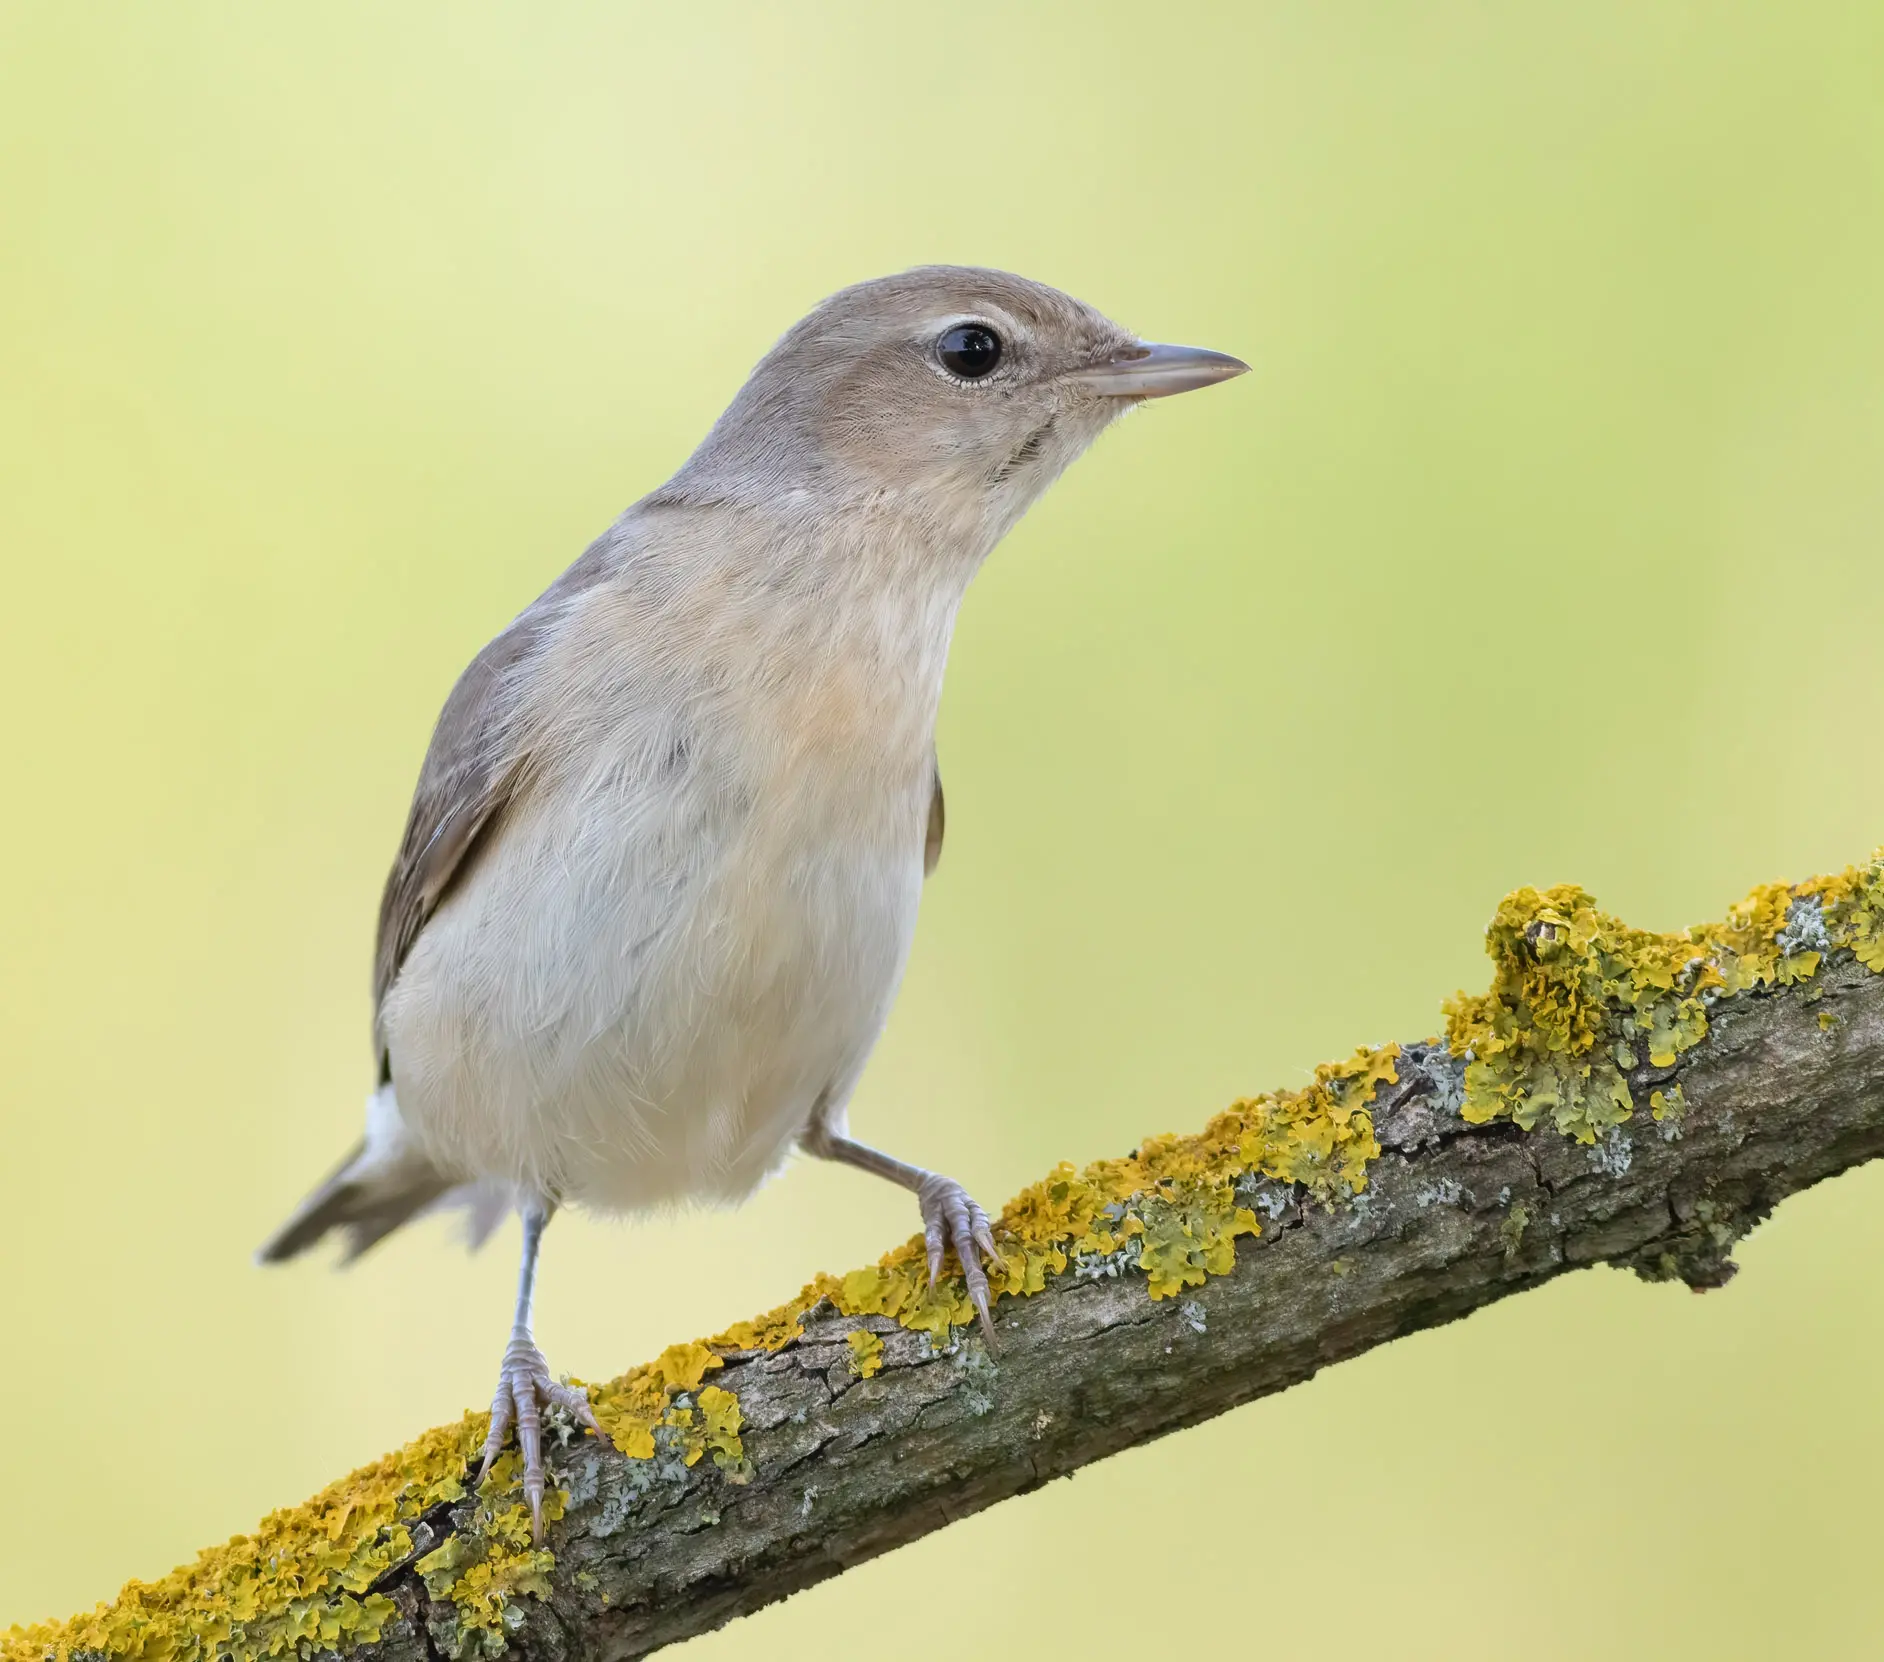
(1615, 1096)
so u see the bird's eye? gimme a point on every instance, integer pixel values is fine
(970, 350)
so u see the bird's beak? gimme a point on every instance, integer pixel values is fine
(1149, 370)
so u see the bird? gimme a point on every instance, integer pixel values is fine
(661, 870)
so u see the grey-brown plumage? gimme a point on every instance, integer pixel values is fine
(365, 1213)
(469, 771)
(662, 865)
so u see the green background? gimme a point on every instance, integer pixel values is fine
(1542, 544)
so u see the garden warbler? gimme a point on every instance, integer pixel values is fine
(662, 866)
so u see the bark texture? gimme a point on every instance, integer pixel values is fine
(1786, 1089)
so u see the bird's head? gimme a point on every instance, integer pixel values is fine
(955, 392)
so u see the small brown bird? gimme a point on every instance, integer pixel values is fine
(661, 870)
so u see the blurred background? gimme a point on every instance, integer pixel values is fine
(1543, 544)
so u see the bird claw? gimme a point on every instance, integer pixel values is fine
(525, 1391)
(950, 1218)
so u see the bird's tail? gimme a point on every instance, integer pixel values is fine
(383, 1183)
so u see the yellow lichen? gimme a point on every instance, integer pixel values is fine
(866, 1353)
(1578, 1000)
(1668, 1107)
(494, 1558)
(720, 1420)
(1512, 1229)
(631, 1407)
(299, 1584)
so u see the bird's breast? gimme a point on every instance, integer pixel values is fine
(693, 925)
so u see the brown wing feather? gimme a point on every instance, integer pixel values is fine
(463, 785)
(474, 767)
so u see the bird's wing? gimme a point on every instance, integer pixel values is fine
(476, 767)
(932, 840)
(470, 773)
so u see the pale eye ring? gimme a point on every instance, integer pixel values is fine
(970, 350)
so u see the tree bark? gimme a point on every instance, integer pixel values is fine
(1786, 1089)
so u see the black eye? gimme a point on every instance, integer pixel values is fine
(970, 350)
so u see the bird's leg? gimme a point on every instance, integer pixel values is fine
(524, 1385)
(950, 1216)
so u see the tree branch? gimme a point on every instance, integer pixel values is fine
(839, 1451)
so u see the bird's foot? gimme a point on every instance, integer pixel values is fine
(525, 1391)
(950, 1218)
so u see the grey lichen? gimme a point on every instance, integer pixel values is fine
(978, 1375)
(1448, 1191)
(1805, 929)
(1613, 1153)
